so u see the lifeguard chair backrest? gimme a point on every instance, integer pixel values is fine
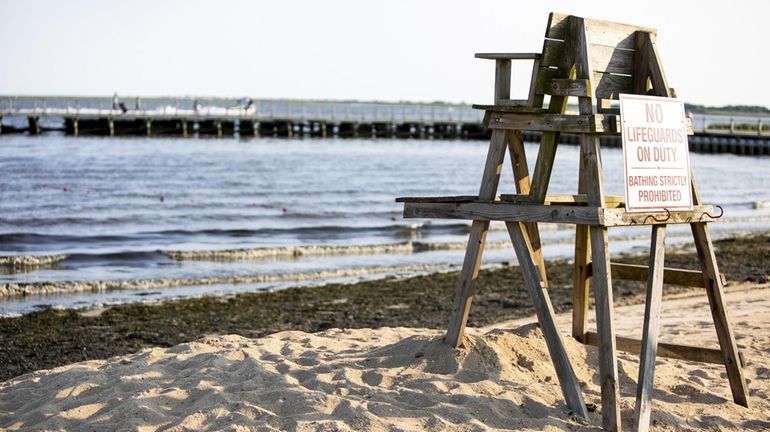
(610, 49)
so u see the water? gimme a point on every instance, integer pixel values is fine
(120, 212)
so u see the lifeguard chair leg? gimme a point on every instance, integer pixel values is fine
(605, 329)
(580, 276)
(476, 242)
(644, 386)
(715, 292)
(545, 317)
(724, 331)
(467, 283)
(602, 287)
(580, 280)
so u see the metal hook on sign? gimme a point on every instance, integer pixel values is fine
(668, 216)
(721, 213)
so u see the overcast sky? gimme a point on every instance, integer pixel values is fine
(714, 52)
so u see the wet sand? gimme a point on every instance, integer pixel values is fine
(54, 338)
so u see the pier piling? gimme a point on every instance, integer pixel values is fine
(34, 125)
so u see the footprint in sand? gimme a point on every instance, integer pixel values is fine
(372, 378)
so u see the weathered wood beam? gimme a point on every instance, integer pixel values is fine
(650, 330)
(598, 123)
(583, 61)
(468, 207)
(508, 56)
(545, 317)
(609, 33)
(569, 87)
(657, 76)
(520, 170)
(534, 99)
(641, 75)
(611, 217)
(563, 199)
(535, 119)
(714, 290)
(541, 176)
(501, 211)
(454, 198)
(502, 80)
(611, 59)
(671, 276)
(674, 351)
(602, 284)
(477, 239)
(580, 284)
(514, 106)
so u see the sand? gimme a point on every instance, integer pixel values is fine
(393, 379)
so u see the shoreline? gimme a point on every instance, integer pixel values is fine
(53, 338)
(110, 281)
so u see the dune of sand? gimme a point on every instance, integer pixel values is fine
(396, 379)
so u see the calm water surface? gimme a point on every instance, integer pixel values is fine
(121, 209)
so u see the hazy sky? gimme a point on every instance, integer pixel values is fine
(714, 52)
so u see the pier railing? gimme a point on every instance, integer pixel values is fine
(231, 109)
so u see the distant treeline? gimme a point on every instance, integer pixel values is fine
(728, 109)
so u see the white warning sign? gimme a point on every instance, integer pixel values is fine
(655, 152)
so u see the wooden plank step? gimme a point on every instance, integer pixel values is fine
(445, 199)
(563, 199)
(673, 276)
(597, 123)
(538, 119)
(502, 211)
(470, 208)
(523, 199)
(508, 56)
(675, 351)
(510, 108)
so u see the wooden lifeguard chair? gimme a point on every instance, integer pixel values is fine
(594, 61)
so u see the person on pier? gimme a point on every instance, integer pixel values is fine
(117, 104)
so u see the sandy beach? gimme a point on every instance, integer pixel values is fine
(397, 379)
(337, 217)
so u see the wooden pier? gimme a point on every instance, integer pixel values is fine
(219, 117)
